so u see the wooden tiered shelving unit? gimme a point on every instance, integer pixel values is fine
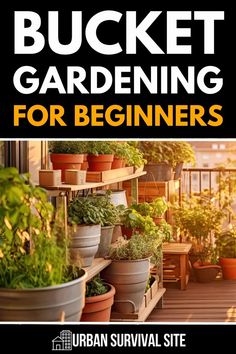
(156, 293)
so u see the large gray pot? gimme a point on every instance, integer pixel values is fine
(84, 244)
(44, 304)
(105, 241)
(157, 172)
(130, 279)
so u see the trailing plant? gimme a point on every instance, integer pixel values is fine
(96, 287)
(31, 256)
(67, 147)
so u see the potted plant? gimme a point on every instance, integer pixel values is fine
(120, 150)
(226, 246)
(108, 219)
(184, 153)
(100, 155)
(85, 219)
(36, 281)
(67, 155)
(163, 157)
(160, 155)
(130, 220)
(197, 221)
(155, 209)
(134, 157)
(206, 268)
(99, 299)
(129, 270)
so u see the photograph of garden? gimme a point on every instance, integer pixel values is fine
(119, 231)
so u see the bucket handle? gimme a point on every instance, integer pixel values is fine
(128, 301)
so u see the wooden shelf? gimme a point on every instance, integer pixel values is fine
(143, 313)
(98, 265)
(90, 185)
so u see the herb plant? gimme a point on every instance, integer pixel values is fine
(96, 287)
(30, 254)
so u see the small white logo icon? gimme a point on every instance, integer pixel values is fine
(63, 342)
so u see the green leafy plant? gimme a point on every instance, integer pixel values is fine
(134, 157)
(154, 209)
(99, 147)
(150, 281)
(197, 220)
(130, 218)
(68, 147)
(96, 287)
(94, 209)
(82, 211)
(226, 243)
(166, 230)
(108, 212)
(168, 152)
(31, 255)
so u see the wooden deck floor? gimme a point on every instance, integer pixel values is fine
(212, 302)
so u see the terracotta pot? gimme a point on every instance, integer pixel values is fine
(205, 272)
(66, 162)
(129, 277)
(228, 268)
(100, 162)
(128, 231)
(117, 163)
(44, 304)
(84, 165)
(98, 308)
(158, 220)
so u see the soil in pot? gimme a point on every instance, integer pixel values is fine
(98, 308)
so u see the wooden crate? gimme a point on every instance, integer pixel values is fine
(106, 176)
